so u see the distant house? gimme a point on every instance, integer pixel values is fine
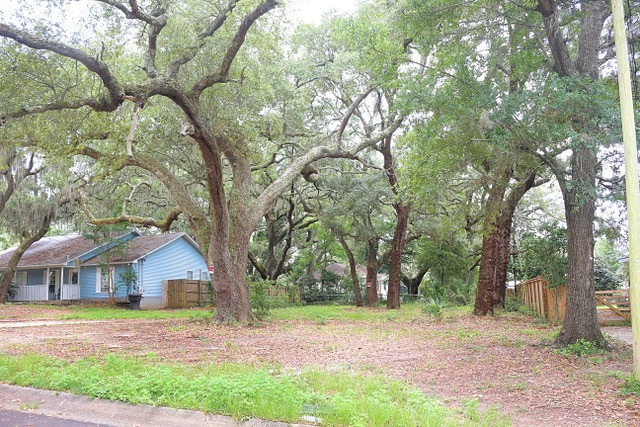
(72, 267)
(623, 271)
(342, 270)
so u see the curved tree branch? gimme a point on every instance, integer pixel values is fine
(222, 75)
(109, 81)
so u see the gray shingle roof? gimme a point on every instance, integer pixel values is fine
(137, 248)
(59, 250)
(54, 250)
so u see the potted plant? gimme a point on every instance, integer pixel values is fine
(129, 278)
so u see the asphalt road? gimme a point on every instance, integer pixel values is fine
(10, 418)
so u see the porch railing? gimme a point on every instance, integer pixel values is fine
(70, 292)
(31, 293)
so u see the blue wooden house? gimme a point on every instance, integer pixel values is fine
(73, 267)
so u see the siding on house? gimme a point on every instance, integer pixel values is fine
(170, 262)
(88, 283)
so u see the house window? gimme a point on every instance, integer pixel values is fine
(104, 280)
(75, 274)
(190, 275)
(21, 278)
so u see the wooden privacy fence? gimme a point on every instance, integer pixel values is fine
(617, 301)
(546, 302)
(186, 293)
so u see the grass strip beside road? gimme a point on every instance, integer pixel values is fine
(105, 313)
(337, 398)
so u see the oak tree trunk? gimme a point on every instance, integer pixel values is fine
(372, 273)
(581, 316)
(486, 294)
(14, 260)
(397, 249)
(578, 191)
(229, 281)
(400, 233)
(228, 245)
(352, 270)
(504, 254)
(496, 243)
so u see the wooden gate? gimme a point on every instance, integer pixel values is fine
(547, 302)
(187, 293)
(616, 301)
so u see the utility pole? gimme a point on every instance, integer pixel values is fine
(631, 174)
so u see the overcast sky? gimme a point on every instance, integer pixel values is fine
(311, 11)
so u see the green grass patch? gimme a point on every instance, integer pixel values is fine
(323, 313)
(630, 385)
(338, 398)
(105, 313)
(320, 314)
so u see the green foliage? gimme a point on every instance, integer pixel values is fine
(259, 299)
(340, 399)
(545, 253)
(434, 307)
(604, 278)
(409, 311)
(512, 303)
(454, 292)
(330, 287)
(128, 277)
(630, 386)
(580, 348)
(489, 418)
(13, 288)
(266, 295)
(444, 258)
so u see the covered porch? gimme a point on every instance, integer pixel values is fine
(46, 284)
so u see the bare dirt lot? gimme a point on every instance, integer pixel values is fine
(500, 360)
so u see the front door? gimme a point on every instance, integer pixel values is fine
(54, 285)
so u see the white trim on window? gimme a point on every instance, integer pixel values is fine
(98, 280)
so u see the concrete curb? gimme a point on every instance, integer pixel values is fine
(34, 323)
(111, 413)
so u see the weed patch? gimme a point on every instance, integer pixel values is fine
(580, 348)
(338, 398)
(630, 386)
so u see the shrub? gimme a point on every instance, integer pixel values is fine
(259, 299)
(580, 348)
(452, 292)
(604, 278)
(512, 303)
(13, 289)
(434, 307)
(129, 279)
